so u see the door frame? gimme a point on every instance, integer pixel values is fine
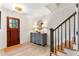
(8, 17)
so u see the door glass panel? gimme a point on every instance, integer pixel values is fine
(16, 21)
(13, 26)
(10, 25)
(13, 23)
(16, 25)
(10, 21)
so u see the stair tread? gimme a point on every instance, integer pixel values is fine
(70, 52)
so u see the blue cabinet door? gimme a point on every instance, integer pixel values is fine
(33, 38)
(38, 38)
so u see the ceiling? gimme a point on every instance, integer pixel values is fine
(35, 9)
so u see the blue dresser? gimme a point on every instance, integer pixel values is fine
(39, 38)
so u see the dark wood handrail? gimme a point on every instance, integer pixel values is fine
(65, 20)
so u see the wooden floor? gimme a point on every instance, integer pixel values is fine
(27, 49)
(30, 49)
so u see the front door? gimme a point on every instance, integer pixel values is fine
(13, 31)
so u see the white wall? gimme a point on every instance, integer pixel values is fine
(24, 27)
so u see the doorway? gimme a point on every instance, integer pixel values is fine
(13, 31)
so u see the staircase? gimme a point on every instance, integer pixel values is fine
(63, 38)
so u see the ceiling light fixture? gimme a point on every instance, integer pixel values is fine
(18, 8)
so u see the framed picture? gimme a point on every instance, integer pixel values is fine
(0, 19)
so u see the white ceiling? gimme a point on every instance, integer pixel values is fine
(35, 9)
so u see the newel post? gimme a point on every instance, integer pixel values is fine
(51, 41)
